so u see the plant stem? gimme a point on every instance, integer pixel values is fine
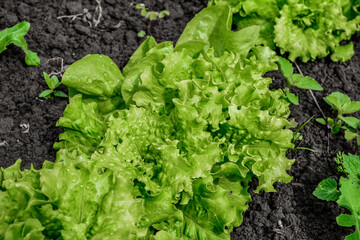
(312, 94)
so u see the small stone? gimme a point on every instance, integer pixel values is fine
(175, 10)
(82, 29)
(12, 19)
(74, 7)
(23, 9)
(131, 37)
(6, 124)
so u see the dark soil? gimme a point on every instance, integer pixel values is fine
(290, 213)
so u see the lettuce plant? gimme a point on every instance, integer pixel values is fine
(15, 35)
(349, 193)
(165, 149)
(304, 29)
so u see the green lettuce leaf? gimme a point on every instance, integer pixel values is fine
(305, 29)
(15, 35)
(311, 30)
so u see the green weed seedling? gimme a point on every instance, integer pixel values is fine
(346, 193)
(141, 33)
(295, 80)
(52, 83)
(299, 137)
(151, 15)
(15, 35)
(343, 105)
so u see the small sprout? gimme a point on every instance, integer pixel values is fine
(299, 137)
(295, 80)
(15, 35)
(343, 105)
(141, 33)
(151, 15)
(52, 83)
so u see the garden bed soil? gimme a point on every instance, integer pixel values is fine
(27, 122)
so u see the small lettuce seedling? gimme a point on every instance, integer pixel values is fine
(52, 83)
(343, 105)
(15, 35)
(348, 194)
(295, 80)
(141, 33)
(151, 15)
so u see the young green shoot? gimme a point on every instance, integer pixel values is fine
(141, 33)
(346, 193)
(151, 15)
(295, 80)
(299, 137)
(15, 35)
(52, 83)
(343, 105)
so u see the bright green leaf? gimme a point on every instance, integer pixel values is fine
(152, 16)
(327, 190)
(46, 93)
(215, 21)
(349, 136)
(47, 79)
(343, 53)
(321, 121)
(308, 83)
(351, 164)
(351, 121)
(60, 94)
(337, 100)
(141, 33)
(292, 98)
(89, 76)
(162, 14)
(15, 35)
(349, 198)
(286, 67)
(139, 6)
(351, 107)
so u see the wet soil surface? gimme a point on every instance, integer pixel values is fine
(27, 123)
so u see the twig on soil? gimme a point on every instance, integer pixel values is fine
(62, 66)
(98, 13)
(316, 102)
(85, 14)
(328, 142)
(279, 231)
(75, 16)
(39, 99)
